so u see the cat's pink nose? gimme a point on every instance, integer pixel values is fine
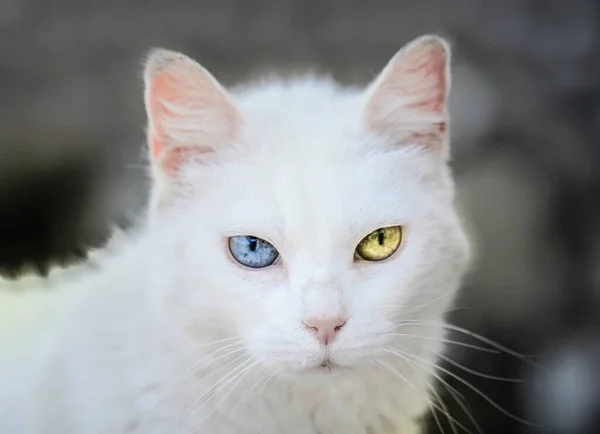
(325, 329)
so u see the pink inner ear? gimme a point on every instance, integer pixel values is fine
(174, 158)
(162, 88)
(420, 77)
(429, 72)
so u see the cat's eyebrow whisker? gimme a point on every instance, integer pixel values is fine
(446, 341)
(474, 335)
(404, 354)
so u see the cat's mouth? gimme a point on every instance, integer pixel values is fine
(327, 365)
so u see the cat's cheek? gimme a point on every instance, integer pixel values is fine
(255, 307)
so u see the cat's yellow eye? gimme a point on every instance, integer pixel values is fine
(379, 244)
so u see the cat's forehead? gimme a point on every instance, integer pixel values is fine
(295, 93)
(299, 114)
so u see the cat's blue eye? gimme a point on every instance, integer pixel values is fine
(252, 252)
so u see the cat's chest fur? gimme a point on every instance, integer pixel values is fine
(324, 413)
(360, 407)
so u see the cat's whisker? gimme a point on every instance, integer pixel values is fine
(436, 418)
(271, 377)
(480, 374)
(211, 391)
(214, 357)
(217, 369)
(405, 380)
(460, 401)
(446, 412)
(191, 373)
(446, 341)
(236, 340)
(434, 412)
(416, 308)
(404, 354)
(220, 341)
(452, 420)
(435, 408)
(264, 377)
(430, 404)
(221, 347)
(472, 334)
(239, 376)
(456, 395)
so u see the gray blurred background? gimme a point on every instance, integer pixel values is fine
(526, 127)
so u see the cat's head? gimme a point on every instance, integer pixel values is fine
(314, 222)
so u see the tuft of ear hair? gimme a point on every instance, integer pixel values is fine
(408, 100)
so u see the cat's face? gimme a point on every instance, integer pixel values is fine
(317, 237)
(314, 215)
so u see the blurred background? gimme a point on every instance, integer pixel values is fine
(526, 131)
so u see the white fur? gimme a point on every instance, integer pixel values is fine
(173, 336)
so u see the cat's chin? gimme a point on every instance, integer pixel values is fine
(315, 375)
(328, 371)
(322, 364)
(325, 369)
(327, 366)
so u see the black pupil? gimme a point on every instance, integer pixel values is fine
(380, 236)
(253, 244)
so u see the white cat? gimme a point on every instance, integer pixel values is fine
(301, 250)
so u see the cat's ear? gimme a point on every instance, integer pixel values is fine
(189, 112)
(408, 100)
(190, 115)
